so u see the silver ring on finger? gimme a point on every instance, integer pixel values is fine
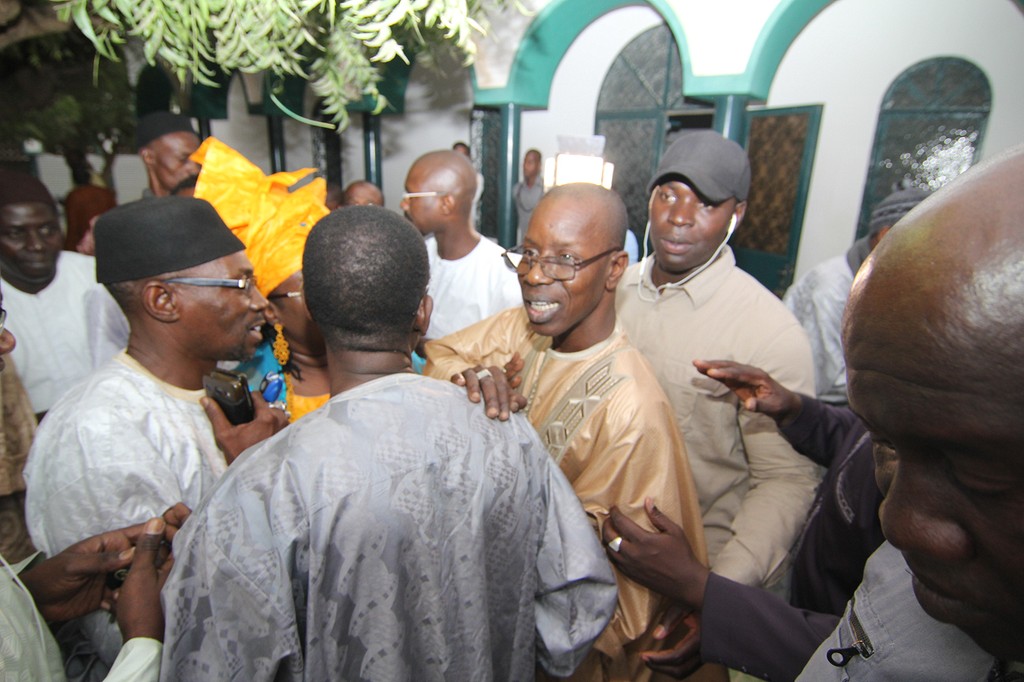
(483, 374)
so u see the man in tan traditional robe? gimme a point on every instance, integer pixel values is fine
(591, 395)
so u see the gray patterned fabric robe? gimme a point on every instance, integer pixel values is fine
(394, 534)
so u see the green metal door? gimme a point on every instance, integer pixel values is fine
(781, 145)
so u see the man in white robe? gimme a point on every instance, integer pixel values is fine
(395, 534)
(468, 280)
(133, 438)
(46, 291)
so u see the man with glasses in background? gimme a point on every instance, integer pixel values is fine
(138, 435)
(590, 394)
(468, 281)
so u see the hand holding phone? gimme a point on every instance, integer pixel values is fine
(230, 390)
(234, 439)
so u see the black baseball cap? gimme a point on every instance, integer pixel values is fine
(716, 167)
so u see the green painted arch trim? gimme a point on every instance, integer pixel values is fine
(559, 23)
(779, 32)
(546, 41)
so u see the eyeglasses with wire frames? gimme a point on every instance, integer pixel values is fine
(561, 268)
(247, 283)
(417, 195)
(286, 294)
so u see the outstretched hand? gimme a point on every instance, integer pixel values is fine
(496, 386)
(662, 561)
(683, 659)
(73, 583)
(234, 439)
(756, 389)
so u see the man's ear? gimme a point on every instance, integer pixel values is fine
(448, 204)
(148, 156)
(423, 312)
(160, 302)
(739, 212)
(420, 325)
(619, 263)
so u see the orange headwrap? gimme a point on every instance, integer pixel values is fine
(271, 221)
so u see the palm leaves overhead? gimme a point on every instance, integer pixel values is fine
(338, 45)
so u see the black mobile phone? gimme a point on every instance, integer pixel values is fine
(231, 391)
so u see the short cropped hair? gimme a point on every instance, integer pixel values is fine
(365, 270)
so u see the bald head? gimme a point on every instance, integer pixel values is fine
(583, 226)
(935, 363)
(450, 172)
(602, 207)
(363, 193)
(953, 271)
(439, 192)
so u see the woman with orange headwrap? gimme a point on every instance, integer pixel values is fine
(273, 221)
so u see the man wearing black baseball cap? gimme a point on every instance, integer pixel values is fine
(138, 435)
(165, 142)
(689, 302)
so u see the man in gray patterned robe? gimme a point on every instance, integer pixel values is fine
(395, 534)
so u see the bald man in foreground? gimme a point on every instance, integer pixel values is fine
(589, 393)
(468, 280)
(935, 365)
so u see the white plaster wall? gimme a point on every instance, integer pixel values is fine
(578, 79)
(847, 57)
(721, 35)
(496, 50)
(437, 114)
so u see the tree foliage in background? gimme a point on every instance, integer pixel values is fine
(336, 44)
(57, 91)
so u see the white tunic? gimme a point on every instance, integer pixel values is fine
(818, 299)
(51, 327)
(29, 652)
(118, 449)
(469, 289)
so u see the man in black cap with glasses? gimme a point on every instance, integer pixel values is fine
(138, 435)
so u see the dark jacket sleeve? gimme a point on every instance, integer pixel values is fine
(754, 631)
(820, 430)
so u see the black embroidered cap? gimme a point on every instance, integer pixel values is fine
(157, 235)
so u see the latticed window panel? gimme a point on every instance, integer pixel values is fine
(775, 146)
(642, 88)
(630, 146)
(647, 74)
(930, 125)
(939, 85)
(485, 141)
